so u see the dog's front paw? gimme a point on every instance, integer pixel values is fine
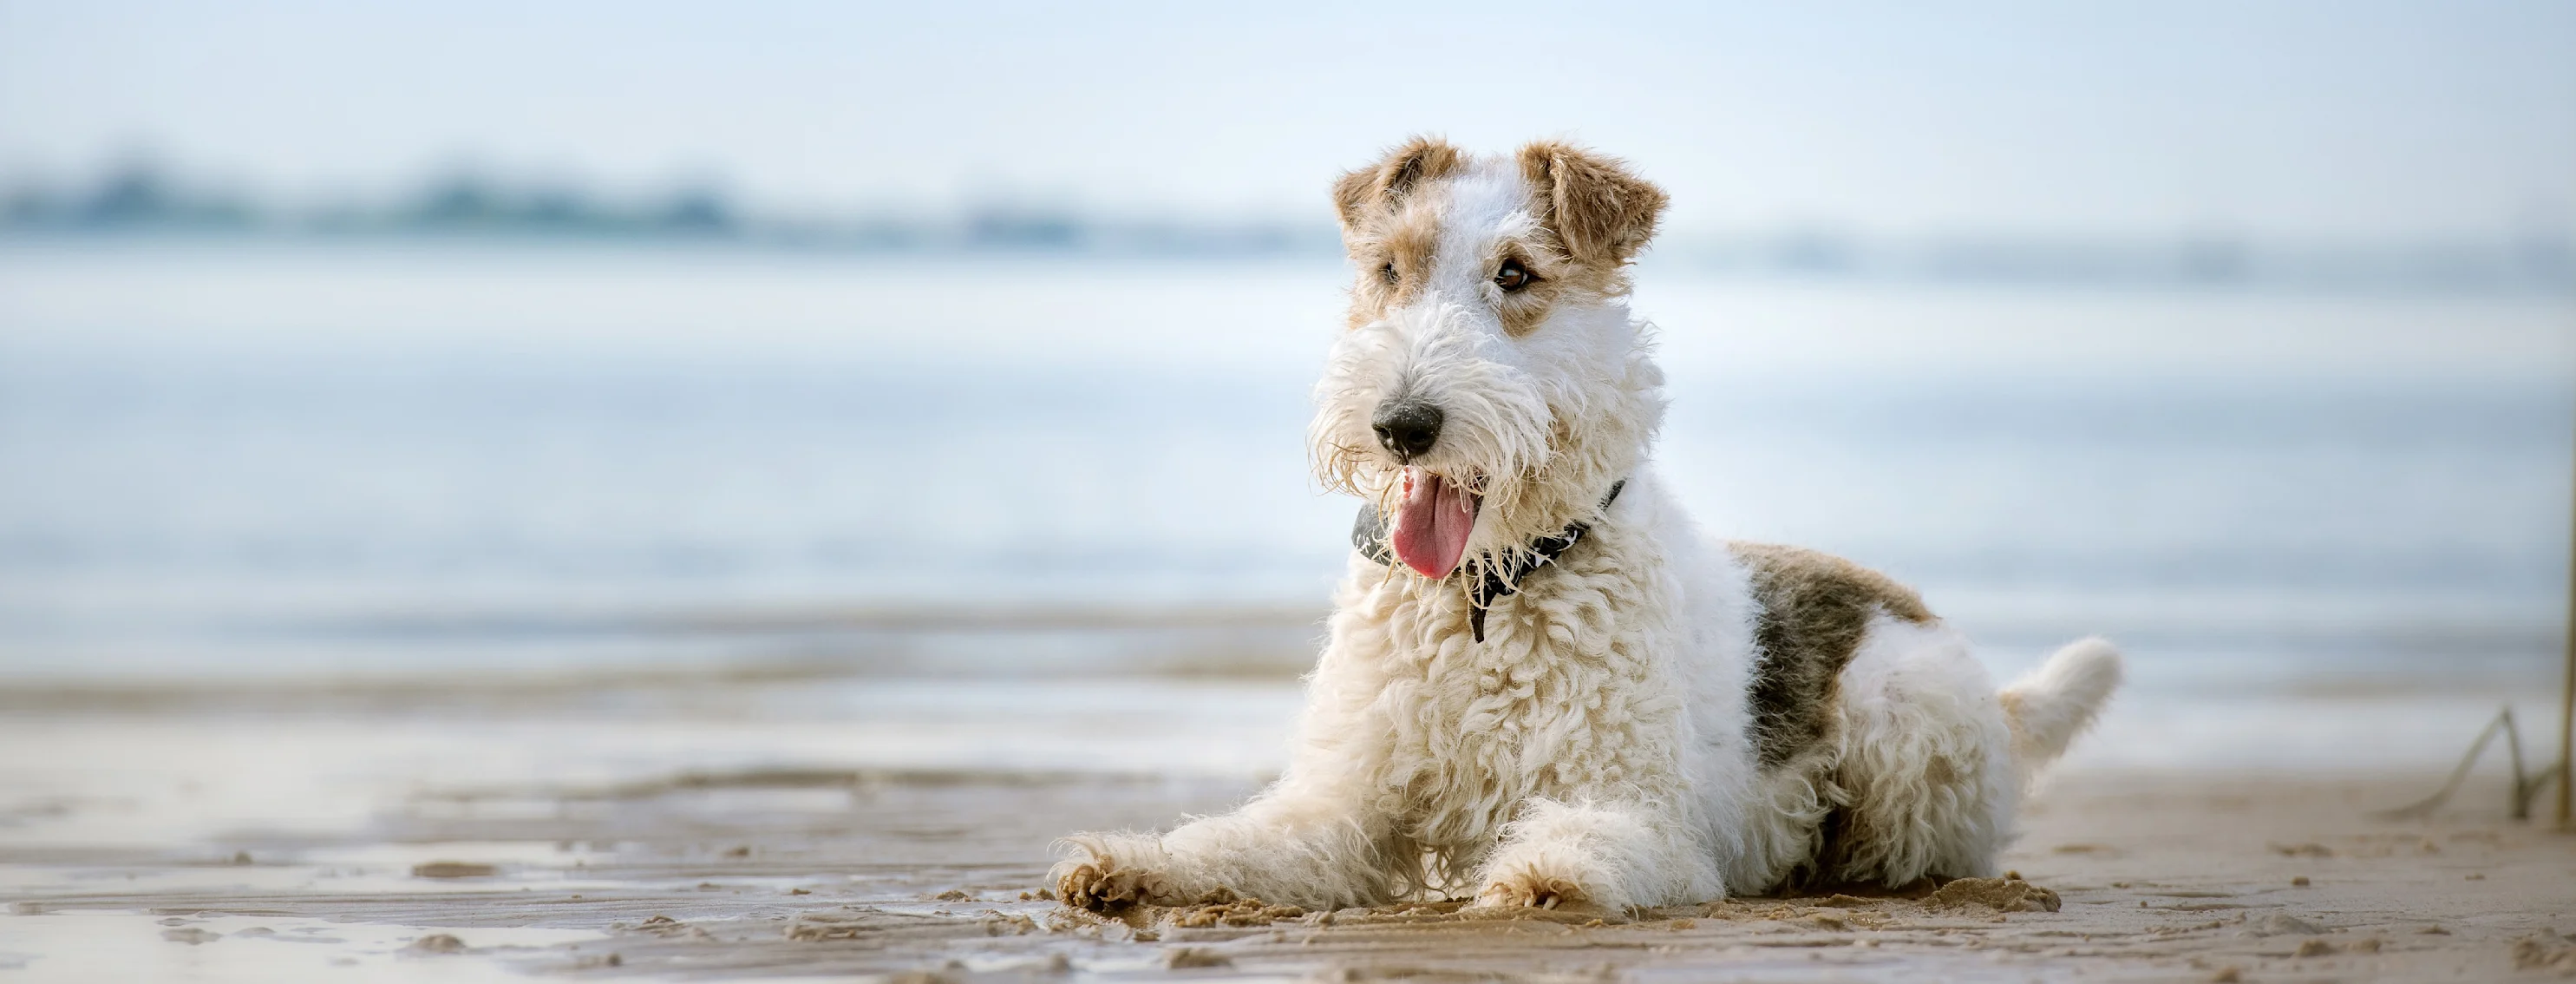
(1530, 889)
(1092, 877)
(1100, 886)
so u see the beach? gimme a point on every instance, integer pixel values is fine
(810, 824)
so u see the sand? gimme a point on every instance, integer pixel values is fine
(464, 841)
(2120, 877)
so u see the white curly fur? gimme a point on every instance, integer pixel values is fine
(1595, 748)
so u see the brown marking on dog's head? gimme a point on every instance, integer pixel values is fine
(1592, 217)
(1550, 275)
(1601, 213)
(1378, 188)
(1389, 226)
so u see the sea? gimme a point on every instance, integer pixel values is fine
(2328, 526)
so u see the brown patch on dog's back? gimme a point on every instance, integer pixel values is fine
(1814, 609)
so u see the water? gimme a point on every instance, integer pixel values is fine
(226, 460)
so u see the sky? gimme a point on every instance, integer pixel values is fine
(2337, 119)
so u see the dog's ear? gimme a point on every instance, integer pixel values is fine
(1602, 213)
(1381, 185)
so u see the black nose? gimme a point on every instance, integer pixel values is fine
(1407, 428)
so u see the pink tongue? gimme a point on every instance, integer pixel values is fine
(1431, 526)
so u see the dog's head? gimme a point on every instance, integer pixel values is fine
(1491, 385)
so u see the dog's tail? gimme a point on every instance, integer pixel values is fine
(2049, 706)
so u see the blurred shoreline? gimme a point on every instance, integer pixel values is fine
(144, 202)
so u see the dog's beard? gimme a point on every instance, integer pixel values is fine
(1487, 488)
(1437, 515)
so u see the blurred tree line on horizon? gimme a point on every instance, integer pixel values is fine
(140, 196)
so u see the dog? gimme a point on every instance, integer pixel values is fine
(1542, 685)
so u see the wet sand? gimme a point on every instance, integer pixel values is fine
(317, 840)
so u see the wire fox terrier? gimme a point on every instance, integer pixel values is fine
(1543, 685)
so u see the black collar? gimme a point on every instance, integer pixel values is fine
(1368, 533)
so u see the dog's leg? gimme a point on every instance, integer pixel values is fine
(1927, 759)
(1605, 856)
(1313, 839)
(1297, 843)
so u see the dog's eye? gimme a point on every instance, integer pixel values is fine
(1513, 276)
(1387, 273)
